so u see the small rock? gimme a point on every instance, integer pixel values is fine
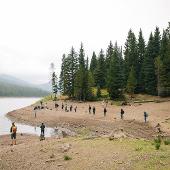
(52, 156)
(12, 150)
(59, 165)
(66, 147)
(50, 160)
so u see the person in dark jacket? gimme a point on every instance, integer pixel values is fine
(122, 113)
(105, 111)
(145, 116)
(42, 127)
(94, 110)
(89, 109)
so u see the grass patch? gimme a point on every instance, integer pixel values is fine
(138, 149)
(157, 146)
(67, 158)
(167, 142)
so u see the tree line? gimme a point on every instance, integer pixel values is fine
(140, 68)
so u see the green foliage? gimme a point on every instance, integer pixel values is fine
(131, 83)
(131, 54)
(98, 94)
(100, 71)
(167, 142)
(54, 84)
(114, 79)
(157, 142)
(143, 69)
(67, 158)
(164, 73)
(93, 63)
(149, 69)
(141, 53)
(157, 146)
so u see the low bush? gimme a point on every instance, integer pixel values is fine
(66, 157)
(157, 146)
(167, 142)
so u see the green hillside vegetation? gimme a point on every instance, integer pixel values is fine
(11, 90)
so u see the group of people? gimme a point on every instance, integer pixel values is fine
(13, 131)
(93, 109)
(68, 108)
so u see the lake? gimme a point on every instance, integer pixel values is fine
(10, 104)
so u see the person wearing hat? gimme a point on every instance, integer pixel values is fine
(13, 131)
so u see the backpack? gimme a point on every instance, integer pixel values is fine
(14, 129)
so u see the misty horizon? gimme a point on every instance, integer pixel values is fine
(34, 34)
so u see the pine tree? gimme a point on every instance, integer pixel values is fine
(141, 53)
(93, 63)
(131, 54)
(100, 71)
(114, 83)
(54, 85)
(63, 82)
(164, 71)
(149, 68)
(131, 83)
(81, 80)
(73, 65)
(156, 42)
(109, 54)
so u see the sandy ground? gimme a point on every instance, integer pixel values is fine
(86, 153)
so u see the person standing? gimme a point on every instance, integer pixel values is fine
(35, 111)
(145, 116)
(75, 109)
(62, 106)
(66, 108)
(122, 113)
(42, 127)
(71, 108)
(94, 110)
(56, 105)
(89, 109)
(13, 131)
(105, 111)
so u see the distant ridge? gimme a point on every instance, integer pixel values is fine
(12, 86)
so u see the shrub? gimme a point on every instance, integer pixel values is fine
(167, 142)
(157, 146)
(66, 157)
(157, 140)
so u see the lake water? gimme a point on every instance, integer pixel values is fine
(10, 104)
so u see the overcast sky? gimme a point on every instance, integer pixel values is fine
(34, 33)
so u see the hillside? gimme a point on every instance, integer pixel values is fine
(12, 90)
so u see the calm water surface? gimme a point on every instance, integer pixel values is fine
(10, 104)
